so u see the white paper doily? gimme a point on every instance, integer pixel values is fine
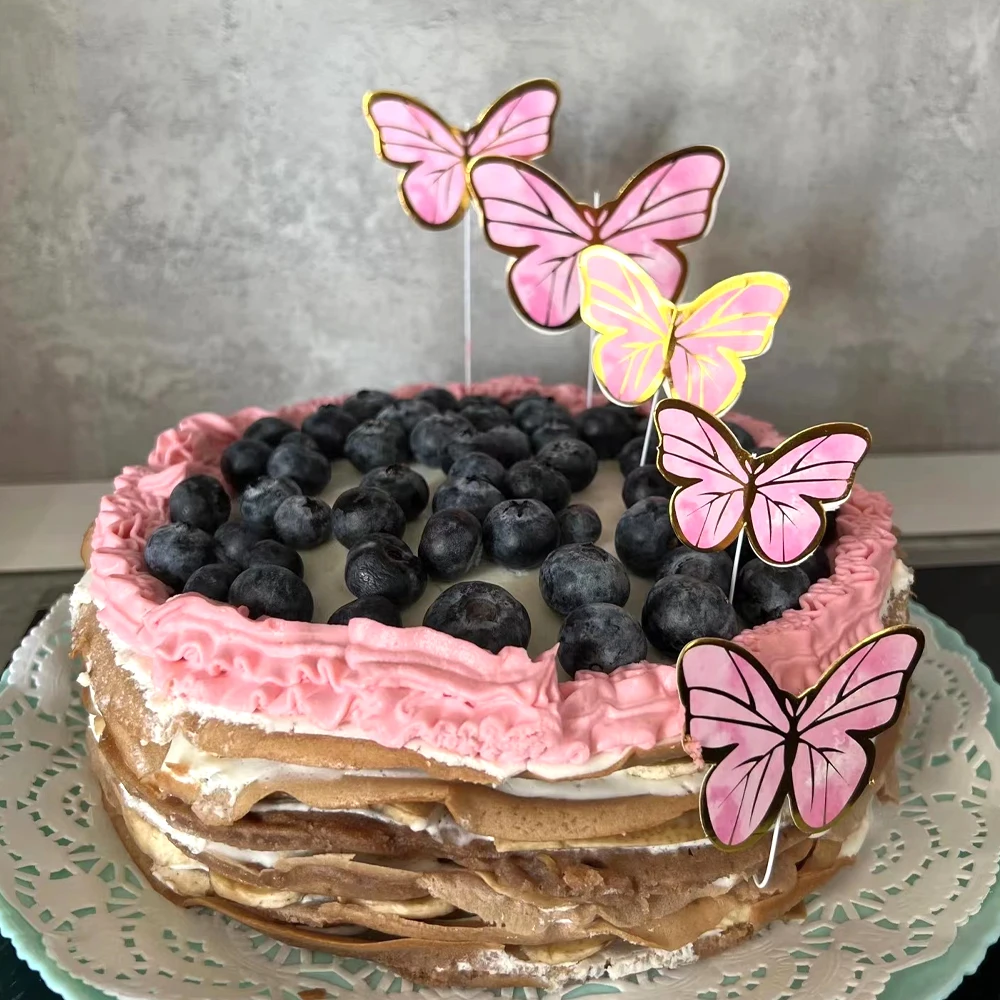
(72, 902)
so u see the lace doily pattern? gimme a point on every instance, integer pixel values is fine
(79, 912)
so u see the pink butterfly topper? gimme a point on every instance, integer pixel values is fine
(529, 217)
(766, 745)
(433, 154)
(779, 498)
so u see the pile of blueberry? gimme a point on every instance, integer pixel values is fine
(512, 471)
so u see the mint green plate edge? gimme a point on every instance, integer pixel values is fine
(934, 980)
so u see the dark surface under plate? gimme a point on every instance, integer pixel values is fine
(965, 597)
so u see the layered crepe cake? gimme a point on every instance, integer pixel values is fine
(403, 796)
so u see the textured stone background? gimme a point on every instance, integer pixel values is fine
(191, 216)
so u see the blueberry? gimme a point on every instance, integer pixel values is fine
(272, 591)
(303, 522)
(628, 457)
(765, 592)
(600, 637)
(535, 480)
(519, 534)
(407, 412)
(532, 413)
(478, 463)
(645, 481)
(201, 502)
(364, 511)
(474, 399)
(270, 430)
(405, 485)
(831, 534)
(607, 429)
(478, 496)
(644, 535)
(481, 613)
(329, 427)
(578, 523)
(259, 501)
(212, 581)
(486, 416)
(746, 440)
(300, 440)
(679, 608)
(712, 567)
(575, 459)
(244, 462)
(366, 403)
(384, 566)
(235, 539)
(429, 440)
(377, 442)
(554, 430)
(308, 467)
(508, 444)
(175, 551)
(516, 401)
(271, 552)
(816, 566)
(452, 544)
(439, 397)
(376, 609)
(579, 574)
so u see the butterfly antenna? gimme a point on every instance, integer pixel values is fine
(772, 855)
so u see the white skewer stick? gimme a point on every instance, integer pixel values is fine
(773, 854)
(467, 303)
(593, 337)
(736, 565)
(649, 427)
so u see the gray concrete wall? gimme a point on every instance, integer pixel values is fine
(191, 216)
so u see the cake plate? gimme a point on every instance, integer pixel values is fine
(82, 916)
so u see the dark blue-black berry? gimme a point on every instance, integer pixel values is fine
(377, 442)
(201, 502)
(474, 399)
(578, 523)
(384, 566)
(607, 429)
(478, 463)
(628, 457)
(439, 397)
(329, 427)
(578, 574)
(271, 552)
(244, 462)
(765, 592)
(235, 539)
(746, 440)
(408, 412)
(270, 430)
(486, 416)
(481, 613)
(532, 413)
(478, 496)
(366, 403)
(507, 443)
(272, 591)
(600, 637)
(429, 440)
(452, 544)
(301, 440)
(712, 567)
(575, 459)
(259, 501)
(303, 522)
(680, 608)
(405, 485)
(816, 566)
(212, 581)
(532, 479)
(519, 534)
(364, 511)
(376, 609)
(554, 430)
(645, 481)
(644, 536)
(175, 551)
(308, 467)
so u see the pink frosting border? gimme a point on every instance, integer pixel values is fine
(396, 686)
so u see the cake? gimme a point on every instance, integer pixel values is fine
(466, 816)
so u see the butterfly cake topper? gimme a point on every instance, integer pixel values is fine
(767, 747)
(693, 351)
(528, 216)
(433, 155)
